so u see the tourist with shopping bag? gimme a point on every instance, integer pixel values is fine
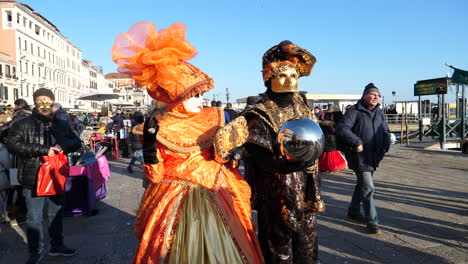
(36, 136)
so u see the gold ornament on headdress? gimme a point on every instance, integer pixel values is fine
(285, 54)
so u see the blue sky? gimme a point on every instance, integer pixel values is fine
(390, 43)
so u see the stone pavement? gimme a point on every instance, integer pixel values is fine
(422, 200)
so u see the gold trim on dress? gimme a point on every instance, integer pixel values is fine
(232, 135)
(169, 232)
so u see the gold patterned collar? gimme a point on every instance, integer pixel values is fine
(276, 116)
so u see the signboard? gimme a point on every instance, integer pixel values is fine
(426, 121)
(432, 86)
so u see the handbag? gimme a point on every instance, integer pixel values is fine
(5, 165)
(87, 157)
(52, 175)
(4, 181)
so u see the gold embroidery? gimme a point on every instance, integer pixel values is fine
(279, 115)
(232, 135)
(169, 232)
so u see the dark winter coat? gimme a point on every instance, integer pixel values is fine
(61, 114)
(17, 115)
(328, 127)
(371, 131)
(26, 140)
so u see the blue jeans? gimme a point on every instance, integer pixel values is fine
(137, 155)
(364, 192)
(35, 206)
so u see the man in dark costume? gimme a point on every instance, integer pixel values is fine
(285, 193)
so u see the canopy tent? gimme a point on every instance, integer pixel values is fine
(98, 96)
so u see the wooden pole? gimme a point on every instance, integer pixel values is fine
(463, 117)
(401, 125)
(420, 115)
(444, 128)
(406, 123)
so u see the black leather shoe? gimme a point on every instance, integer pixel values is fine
(62, 251)
(374, 229)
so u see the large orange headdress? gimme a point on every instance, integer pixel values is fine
(157, 60)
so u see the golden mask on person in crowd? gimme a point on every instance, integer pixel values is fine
(44, 103)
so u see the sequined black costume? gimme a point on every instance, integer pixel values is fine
(287, 199)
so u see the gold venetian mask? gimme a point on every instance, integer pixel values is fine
(44, 104)
(285, 80)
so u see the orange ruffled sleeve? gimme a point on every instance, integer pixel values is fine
(155, 172)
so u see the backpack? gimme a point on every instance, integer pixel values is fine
(341, 145)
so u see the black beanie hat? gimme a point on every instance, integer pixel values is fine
(43, 92)
(370, 88)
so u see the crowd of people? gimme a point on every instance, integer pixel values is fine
(190, 154)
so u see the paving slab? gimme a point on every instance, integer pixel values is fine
(421, 197)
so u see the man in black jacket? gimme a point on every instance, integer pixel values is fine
(364, 128)
(36, 136)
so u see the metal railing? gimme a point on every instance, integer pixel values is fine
(398, 118)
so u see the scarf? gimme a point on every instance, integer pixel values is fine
(47, 124)
(281, 99)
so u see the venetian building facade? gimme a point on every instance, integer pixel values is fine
(130, 94)
(35, 54)
(92, 81)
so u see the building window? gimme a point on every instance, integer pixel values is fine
(18, 16)
(21, 66)
(7, 71)
(24, 22)
(9, 18)
(19, 43)
(14, 72)
(30, 24)
(37, 29)
(32, 49)
(1, 71)
(32, 69)
(15, 94)
(3, 92)
(25, 45)
(26, 67)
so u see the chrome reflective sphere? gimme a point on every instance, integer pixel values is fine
(301, 139)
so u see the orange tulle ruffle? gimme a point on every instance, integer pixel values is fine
(157, 60)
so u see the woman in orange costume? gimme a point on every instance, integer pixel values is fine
(195, 209)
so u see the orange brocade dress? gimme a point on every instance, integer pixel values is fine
(195, 210)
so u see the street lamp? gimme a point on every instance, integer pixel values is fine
(393, 94)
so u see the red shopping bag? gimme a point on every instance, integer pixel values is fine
(52, 175)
